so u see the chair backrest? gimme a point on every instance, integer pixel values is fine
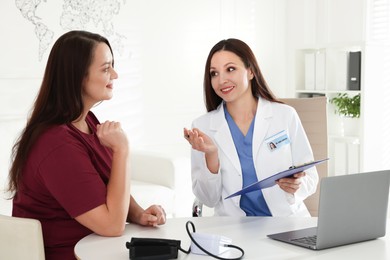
(21, 238)
(313, 115)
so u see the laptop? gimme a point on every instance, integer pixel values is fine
(352, 208)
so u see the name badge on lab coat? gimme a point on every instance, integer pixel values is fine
(278, 140)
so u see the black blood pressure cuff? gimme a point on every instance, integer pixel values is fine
(152, 248)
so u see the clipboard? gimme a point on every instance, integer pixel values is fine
(271, 181)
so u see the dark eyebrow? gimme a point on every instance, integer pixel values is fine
(229, 64)
(106, 63)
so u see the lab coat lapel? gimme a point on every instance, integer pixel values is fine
(263, 113)
(223, 137)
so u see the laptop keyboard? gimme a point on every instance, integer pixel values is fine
(310, 240)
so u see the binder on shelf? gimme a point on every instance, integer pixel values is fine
(320, 70)
(354, 64)
(310, 71)
(340, 69)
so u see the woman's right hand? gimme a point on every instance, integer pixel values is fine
(199, 141)
(109, 219)
(111, 135)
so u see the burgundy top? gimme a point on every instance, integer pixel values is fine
(65, 175)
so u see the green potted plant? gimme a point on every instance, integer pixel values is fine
(347, 106)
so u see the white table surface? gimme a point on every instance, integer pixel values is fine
(249, 233)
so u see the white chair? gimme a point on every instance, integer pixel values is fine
(21, 238)
(157, 178)
(160, 178)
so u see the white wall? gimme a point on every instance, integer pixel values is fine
(175, 42)
(160, 62)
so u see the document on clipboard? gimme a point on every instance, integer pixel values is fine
(271, 181)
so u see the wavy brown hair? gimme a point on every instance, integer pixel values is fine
(59, 100)
(259, 86)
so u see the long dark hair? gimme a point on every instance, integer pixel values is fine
(59, 100)
(259, 86)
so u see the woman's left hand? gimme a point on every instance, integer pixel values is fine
(291, 184)
(152, 216)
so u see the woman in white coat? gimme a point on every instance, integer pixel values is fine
(247, 135)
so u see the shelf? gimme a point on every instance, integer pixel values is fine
(352, 45)
(352, 92)
(327, 70)
(345, 139)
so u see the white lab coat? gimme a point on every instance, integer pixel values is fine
(271, 118)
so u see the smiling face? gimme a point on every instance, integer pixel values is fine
(98, 84)
(230, 78)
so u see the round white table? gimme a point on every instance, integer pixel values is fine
(249, 233)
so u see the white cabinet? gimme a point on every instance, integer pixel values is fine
(335, 26)
(325, 71)
(329, 30)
